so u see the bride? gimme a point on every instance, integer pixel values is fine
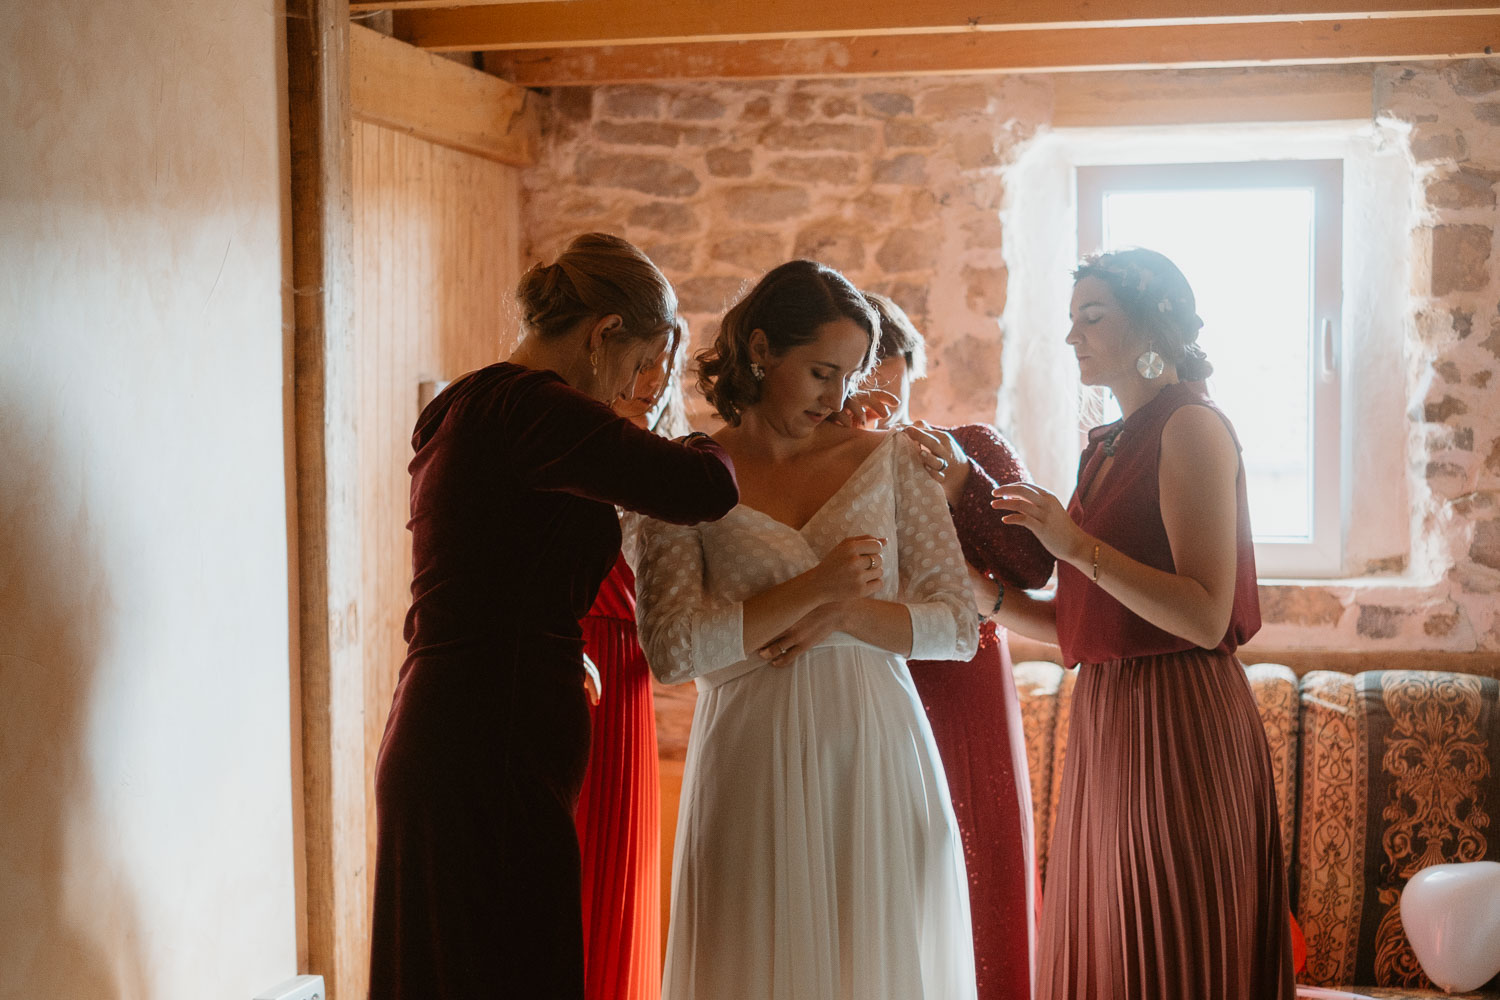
(817, 854)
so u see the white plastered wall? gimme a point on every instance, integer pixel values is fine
(146, 775)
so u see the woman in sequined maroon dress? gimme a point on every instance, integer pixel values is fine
(517, 473)
(973, 707)
(1165, 879)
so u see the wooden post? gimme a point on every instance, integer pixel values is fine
(327, 528)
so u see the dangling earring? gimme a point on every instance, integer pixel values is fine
(594, 360)
(756, 371)
(1150, 364)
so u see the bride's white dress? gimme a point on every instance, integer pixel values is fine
(817, 854)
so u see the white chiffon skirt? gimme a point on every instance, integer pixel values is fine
(817, 855)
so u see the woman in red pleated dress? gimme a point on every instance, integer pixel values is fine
(619, 807)
(973, 707)
(1165, 879)
(518, 471)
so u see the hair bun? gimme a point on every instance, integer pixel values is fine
(1194, 366)
(597, 274)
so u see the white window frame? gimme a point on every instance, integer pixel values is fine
(1322, 554)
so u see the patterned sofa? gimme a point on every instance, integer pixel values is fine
(1378, 775)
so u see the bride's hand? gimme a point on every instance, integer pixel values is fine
(815, 626)
(852, 570)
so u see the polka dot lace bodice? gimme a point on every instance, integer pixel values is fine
(694, 579)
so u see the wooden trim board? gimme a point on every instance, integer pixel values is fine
(327, 539)
(1046, 51)
(641, 22)
(403, 88)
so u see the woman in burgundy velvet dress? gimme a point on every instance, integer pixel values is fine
(973, 707)
(517, 472)
(1165, 878)
(619, 805)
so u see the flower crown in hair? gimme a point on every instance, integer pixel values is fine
(1132, 277)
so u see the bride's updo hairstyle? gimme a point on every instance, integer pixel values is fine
(1158, 301)
(597, 275)
(789, 304)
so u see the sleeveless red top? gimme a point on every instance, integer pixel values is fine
(1125, 512)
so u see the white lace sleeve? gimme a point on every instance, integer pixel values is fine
(631, 525)
(934, 582)
(685, 630)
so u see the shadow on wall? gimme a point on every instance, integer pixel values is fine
(68, 921)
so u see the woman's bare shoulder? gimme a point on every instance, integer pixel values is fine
(857, 442)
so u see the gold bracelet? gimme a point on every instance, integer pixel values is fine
(1096, 562)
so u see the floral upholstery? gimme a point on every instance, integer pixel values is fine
(1060, 741)
(1037, 682)
(1398, 773)
(1378, 775)
(1275, 689)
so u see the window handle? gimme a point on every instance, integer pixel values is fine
(1328, 362)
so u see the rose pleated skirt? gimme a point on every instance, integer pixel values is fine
(1165, 880)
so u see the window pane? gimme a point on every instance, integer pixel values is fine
(1248, 255)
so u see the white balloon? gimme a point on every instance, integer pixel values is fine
(1452, 918)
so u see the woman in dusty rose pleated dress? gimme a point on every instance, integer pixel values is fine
(1165, 879)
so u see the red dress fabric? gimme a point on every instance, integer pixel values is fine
(975, 716)
(514, 485)
(619, 807)
(1165, 879)
(1092, 626)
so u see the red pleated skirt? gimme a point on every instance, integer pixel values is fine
(619, 812)
(1165, 879)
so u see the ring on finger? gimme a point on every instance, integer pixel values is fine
(781, 651)
(944, 466)
(872, 563)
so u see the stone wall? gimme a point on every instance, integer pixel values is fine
(899, 183)
(1446, 598)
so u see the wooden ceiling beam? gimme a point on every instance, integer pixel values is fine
(403, 88)
(1086, 49)
(369, 5)
(637, 22)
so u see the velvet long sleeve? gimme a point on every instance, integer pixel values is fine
(1008, 552)
(582, 447)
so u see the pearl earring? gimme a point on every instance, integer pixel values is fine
(756, 371)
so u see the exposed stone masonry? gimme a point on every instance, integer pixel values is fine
(898, 183)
